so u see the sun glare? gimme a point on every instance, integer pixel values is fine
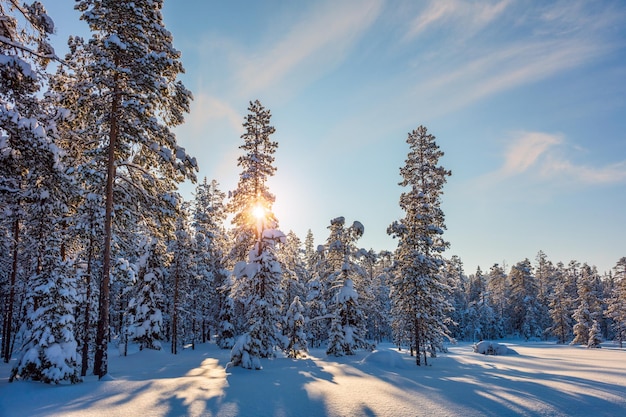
(258, 212)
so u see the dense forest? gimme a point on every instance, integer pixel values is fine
(98, 249)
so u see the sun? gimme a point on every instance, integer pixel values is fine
(258, 212)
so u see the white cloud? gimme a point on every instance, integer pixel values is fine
(526, 150)
(583, 174)
(467, 63)
(509, 67)
(473, 15)
(542, 157)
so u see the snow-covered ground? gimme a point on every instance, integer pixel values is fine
(541, 379)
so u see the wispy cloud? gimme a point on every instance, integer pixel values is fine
(473, 15)
(583, 174)
(542, 156)
(470, 62)
(312, 46)
(526, 150)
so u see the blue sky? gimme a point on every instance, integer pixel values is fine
(527, 99)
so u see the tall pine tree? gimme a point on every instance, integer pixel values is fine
(419, 292)
(134, 66)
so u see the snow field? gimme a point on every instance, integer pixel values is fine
(540, 379)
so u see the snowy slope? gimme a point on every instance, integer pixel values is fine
(540, 380)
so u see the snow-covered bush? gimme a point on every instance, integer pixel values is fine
(491, 348)
(245, 353)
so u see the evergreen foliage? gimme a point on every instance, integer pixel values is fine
(145, 308)
(294, 330)
(98, 246)
(420, 294)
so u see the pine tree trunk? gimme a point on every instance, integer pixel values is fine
(101, 360)
(175, 314)
(418, 357)
(8, 317)
(85, 350)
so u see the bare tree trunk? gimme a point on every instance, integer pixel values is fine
(101, 360)
(8, 317)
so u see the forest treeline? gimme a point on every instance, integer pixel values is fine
(99, 250)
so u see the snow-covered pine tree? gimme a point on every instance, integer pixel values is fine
(378, 309)
(316, 311)
(145, 309)
(256, 289)
(560, 307)
(499, 290)
(260, 291)
(309, 250)
(595, 337)
(616, 310)
(70, 90)
(27, 151)
(523, 299)
(225, 329)
(347, 328)
(294, 330)
(182, 274)
(458, 281)
(134, 66)
(295, 274)
(252, 190)
(208, 215)
(420, 294)
(49, 349)
(544, 274)
(589, 308)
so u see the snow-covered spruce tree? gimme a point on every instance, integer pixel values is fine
(309, 250)
(523, 299)
(616, 310)
(499, 290)
(145, 309)
(377, 308)
(316, 307)
(182, 273)
(226, 330)
(256, 289)
(49, 349)
(457, 280)
(294, 330)
(260, 292)
(71, 90)
(26, 148)
(589, 308)
(295, 274)
(595, 336)
(560, 308)
(208, 215)
(347, 327)
(134, 66)
(252, 193)
(420, 295)
(545, 276)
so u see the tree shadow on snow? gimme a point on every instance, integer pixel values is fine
(493, 387)
(276, 390)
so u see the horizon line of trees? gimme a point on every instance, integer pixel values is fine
(101, 249)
